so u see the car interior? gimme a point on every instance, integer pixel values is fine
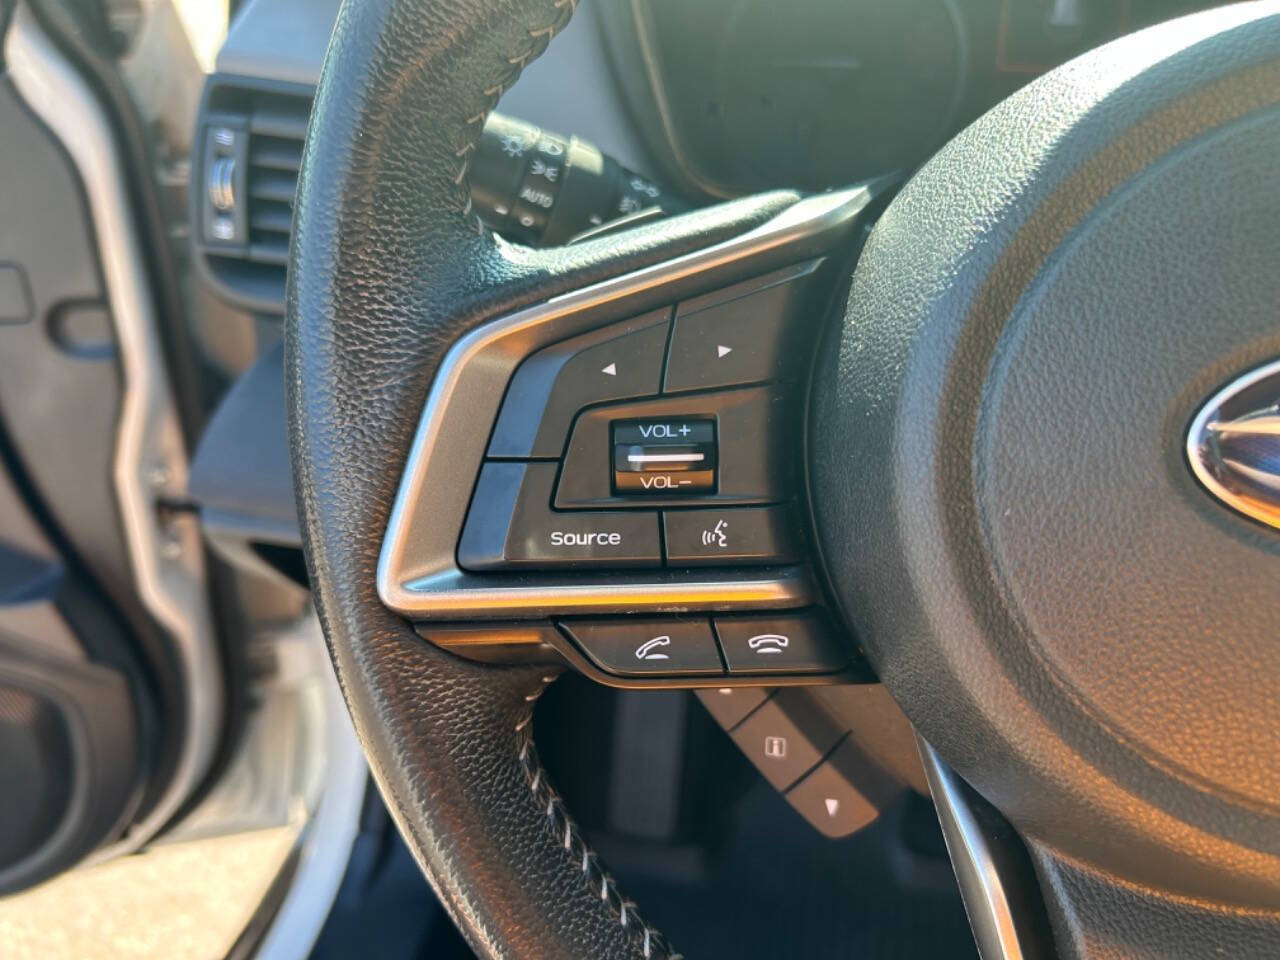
(637, 479)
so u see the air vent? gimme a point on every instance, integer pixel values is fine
(249, 150)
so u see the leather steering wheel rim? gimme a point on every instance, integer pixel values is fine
(389, 267)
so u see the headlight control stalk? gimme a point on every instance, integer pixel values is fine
(542, 189)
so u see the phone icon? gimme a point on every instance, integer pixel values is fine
(768, 643)
(649, 649)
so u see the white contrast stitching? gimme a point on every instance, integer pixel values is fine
(539, 37)
(653, 943)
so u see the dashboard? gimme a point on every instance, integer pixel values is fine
(744, 95)
(679, 104)
(700, 101)
(722, 98)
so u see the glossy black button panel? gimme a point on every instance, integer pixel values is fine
(738, 335)
(756, 462)
(666, 456)
(731, 705)
(550, 387)
(511, 525)
(779, 643)
(735, 536)
(845, 793)
(648, 647)
(588, 412)
(786, 737)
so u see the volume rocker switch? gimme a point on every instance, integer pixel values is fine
(676, 456)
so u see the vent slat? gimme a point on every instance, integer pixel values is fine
(274, 153)
(271, 217)
(276, 185)
(274, 120)
(270, 249)
(276, 124)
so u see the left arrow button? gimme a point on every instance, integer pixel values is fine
(620, 362)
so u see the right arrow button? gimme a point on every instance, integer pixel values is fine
(742, 334)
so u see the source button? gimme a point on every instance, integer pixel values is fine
(511, 525)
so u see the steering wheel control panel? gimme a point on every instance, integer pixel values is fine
(637, 506)
(661, 441)
(665, 441)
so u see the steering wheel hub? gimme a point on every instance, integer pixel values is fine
(1033, 326)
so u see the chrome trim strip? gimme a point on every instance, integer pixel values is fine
(985, 900)
(1205, 422)
(150, 459)
(417, 573)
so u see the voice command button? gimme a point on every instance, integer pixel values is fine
(734, 536)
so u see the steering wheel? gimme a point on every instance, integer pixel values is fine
(996, 470)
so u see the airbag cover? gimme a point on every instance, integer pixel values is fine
(998, 454)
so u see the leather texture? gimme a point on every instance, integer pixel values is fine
(1000, 487)
(389, 267)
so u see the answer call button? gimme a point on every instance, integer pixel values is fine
(641, 647)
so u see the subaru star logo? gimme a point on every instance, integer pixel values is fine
(1234, 444)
